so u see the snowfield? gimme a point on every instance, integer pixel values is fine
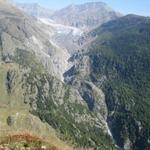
(61, 29)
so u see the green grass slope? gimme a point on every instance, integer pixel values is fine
(121, 56)
(36, 102)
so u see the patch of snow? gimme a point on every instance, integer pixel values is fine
(61, 29)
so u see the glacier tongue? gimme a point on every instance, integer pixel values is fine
(61, 29)
(59, 54)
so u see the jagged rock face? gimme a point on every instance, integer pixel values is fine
(78, 77)
(85, 16)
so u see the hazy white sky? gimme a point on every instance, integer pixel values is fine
(140, 7)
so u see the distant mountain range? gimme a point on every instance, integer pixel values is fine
(85, 16)
(77, 78)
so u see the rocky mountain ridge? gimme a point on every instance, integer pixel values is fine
(85, 16)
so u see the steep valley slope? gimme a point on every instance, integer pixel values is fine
(75, 89)
(117, 62)
(33, 97)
